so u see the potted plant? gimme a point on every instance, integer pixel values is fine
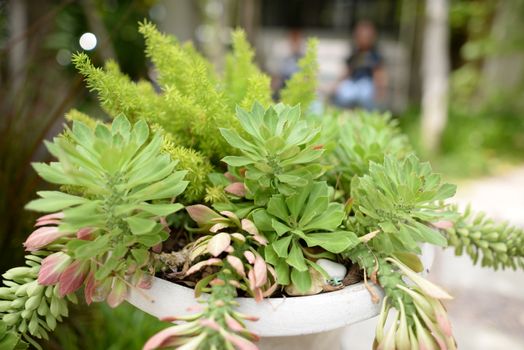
(209, 195)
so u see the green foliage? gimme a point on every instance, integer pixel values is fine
(179, 66)
(103, 327)
(76, 115)
(278, 152)
(307, 216)
(399, 198)
(117, 93)
(474, 143)
(420, 320)
(244, 84)
(216, 326)
(129, 184)
(301, 88)
(374, 263)
(10, 340)
(191, 89)
(122, 183)
(193, 102)
(496, 245)
(27, 309)
(230, 246)
(363, 138)
(197, 166)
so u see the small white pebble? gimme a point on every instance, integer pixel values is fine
(335, 270)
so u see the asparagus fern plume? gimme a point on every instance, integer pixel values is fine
(301, 88)
(244, 83)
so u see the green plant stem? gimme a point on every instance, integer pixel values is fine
(376, 265)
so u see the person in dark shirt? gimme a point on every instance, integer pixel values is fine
(364, 80)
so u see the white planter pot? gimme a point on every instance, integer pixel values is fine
(308, 322)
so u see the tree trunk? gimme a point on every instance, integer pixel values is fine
(17, 17)
(435, 72)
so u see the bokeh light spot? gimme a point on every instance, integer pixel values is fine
(87, 41)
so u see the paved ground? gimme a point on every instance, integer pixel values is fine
(488, 309)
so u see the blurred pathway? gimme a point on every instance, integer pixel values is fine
(488, 310)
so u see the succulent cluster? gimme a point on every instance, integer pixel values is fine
(208, 184)
(28, 307)
(493, 244)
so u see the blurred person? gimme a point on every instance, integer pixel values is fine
(289, 65)
(364, 81)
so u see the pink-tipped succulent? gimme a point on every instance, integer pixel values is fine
(46, 233)
(213, 326)
(425, 327)
(231, 242)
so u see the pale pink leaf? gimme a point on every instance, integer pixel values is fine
(250, 257)
(240, 343)
(238, 237)
(53, 216)
(218, 243)
(252, 279)
(247, 317)
(118, 293)
(237, 264)
(236, 188)
(89, 288)
(426, 286)
(229, 214)
(209, 323)
(233, 324)
(145, 282)
(52, 267)
(443, 225)
(260, 239)
(260, 269)
(84, 233)
(217, 227)
(72, 278)
(200, 265)
(162, 338)
(201, 214)
(268, 292)
(249, 226)
(42, 237)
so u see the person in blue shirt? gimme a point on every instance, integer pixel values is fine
(363, 83)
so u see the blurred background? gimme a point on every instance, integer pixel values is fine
(451, 71)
